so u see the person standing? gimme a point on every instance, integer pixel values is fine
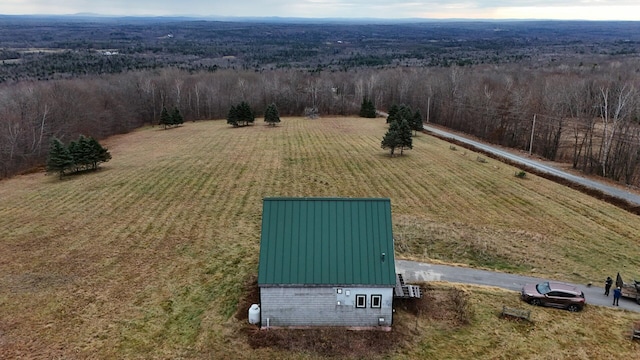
(607, 285)
(616, 296)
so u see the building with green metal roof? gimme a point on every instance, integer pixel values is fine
(326, 262)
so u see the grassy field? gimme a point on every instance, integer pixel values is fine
(149, 257)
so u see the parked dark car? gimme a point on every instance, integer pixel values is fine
(554, 294)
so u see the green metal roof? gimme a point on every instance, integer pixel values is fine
(326, 241)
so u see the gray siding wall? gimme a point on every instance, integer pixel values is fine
(318, 306)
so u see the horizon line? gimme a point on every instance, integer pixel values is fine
(275, 17)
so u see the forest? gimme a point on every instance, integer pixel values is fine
(566, 91)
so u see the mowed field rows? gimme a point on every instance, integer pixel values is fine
(148, 257)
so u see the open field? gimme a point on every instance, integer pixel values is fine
(148, 257)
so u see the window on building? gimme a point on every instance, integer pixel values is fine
(376, 301)
(361, 301)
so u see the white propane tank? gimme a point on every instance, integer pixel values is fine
(254, 314)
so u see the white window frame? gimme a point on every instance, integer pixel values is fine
(377, 298)
(360, 297)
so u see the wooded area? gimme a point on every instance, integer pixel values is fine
(576, 101)
(586, 115)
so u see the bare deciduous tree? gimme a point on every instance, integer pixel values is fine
(614, 108)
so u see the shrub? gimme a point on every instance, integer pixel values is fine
(463, 310)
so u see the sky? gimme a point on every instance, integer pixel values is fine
(383, 9)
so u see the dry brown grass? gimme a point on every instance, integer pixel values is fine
(148, 257)
(594, 333)
(462, 322)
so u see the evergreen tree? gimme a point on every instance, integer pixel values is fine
(241, 115)
(165, 118)
(176, 117)
(87, 152)
(245, 114)
(372, 110)
(99, 154)
(405, 113)
(81, 151)
(393, 112)
(271, 115)
(398, 136)
(404, 135)
(399, 113)
(59, 159)
(232, 116)
(82, 154)
(416, 122)
(76, 154)
(367, 108)
(391, 139)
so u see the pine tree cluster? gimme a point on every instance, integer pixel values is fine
(404, 112)
(84, 154)
(401, 122)
(170, 120)
(367, 109)
(241, 115)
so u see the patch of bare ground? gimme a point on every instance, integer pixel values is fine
(448, 307)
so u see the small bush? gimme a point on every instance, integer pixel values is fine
(462, 307)
(451, 147)
(521, 174)
(311, 112)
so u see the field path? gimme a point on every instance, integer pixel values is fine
(418, 271)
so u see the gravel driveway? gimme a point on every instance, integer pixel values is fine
(413, 271)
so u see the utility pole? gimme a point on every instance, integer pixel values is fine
(532, 129)
(428, 107)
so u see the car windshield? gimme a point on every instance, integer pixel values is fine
(543, 288)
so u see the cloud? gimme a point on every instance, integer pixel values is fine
(568, 9)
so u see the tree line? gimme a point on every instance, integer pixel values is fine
(584, 114)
